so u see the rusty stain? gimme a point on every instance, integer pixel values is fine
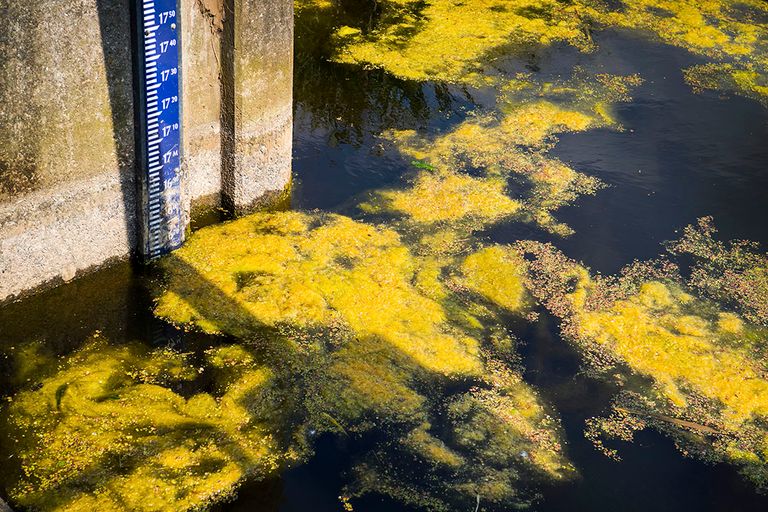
(214, 11)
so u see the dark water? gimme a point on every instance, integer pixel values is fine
(682, 156)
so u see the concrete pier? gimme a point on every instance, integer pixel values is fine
(68, 189)
(257, 78)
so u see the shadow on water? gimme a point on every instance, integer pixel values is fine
(117, 303)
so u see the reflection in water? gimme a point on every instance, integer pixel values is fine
(506, 146)
(444, 41)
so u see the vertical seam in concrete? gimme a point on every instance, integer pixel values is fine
(228, 139)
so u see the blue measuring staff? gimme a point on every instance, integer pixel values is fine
(158, 124)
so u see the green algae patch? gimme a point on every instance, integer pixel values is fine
(452, 42)
(465, 175)
(368, 334)
(107, 432)
(690, 367)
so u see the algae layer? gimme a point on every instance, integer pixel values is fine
(383, 331)
(465, 176)
(341, 329)
(107, 429)
(692, 367)
(461, 42)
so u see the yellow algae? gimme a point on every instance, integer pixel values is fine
(301, 5)
(732, 33)
(391, 331)
(510, 423)
(496, 274)
(434, 450)
(447, 197)
(497, 435)
(742, 80)
(442, 242)
(452, 41)
(363, 379)
(102, 434)
(734, 273)
(713, 27)
(702, 367)
(278, 269)
(531, 124)
(506, 146)
(449, 42)
(31, 362)
(730, 323)
(675, 348)
(446, 194)
(428, 278)
(442, 40)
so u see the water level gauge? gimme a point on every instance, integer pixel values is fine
(158, 106)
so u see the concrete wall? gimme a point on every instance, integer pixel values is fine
(68, 198)
(257, 78)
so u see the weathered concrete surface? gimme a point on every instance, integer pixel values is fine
(68, 193)
(67, 180)
(65, 92)
(201, 21)
(48, 237)
(4, 507)
(257, 101)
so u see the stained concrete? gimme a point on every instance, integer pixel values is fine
(67, 178)
(201, 91)
(68, 193)
(257, 101)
